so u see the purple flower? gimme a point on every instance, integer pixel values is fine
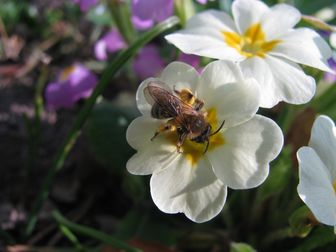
(330, 77)
(202, 1)
(148, 62)
(147, 12)
(74, 83)
(109, 43)
(85, 5)
(192, 60)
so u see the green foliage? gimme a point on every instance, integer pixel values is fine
(241, 247)
(106, 130)
(310, 7)
(300, 222)
(100, 236)
(320, 237)
(109, 72)
(278, 178)
(325, 103)
(146, 226)
(184, 10)
(12, 11)
(100, 16)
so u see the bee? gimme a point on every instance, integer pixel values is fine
(183, 111)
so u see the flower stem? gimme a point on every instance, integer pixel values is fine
(36, 127)
(121, 16)
(325, 101)
(93, 233)
(112, 68)
(72, 238)
(184, 9)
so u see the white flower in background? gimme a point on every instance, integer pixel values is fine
(263, 40)
(193, 182)
(332, 39)
(317, 171)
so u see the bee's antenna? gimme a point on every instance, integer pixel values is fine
(220, 127)
(207, 146)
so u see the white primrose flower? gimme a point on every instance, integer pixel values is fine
(265, 43)
(317, 171)
(193, 179)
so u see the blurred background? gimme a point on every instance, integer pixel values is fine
(52, 55)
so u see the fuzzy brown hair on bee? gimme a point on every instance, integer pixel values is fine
(182, 111)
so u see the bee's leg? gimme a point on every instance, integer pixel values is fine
(188, 97)
(163, 128)
(181, 138)
(198, 104)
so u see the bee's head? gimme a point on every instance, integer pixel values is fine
(204, 136)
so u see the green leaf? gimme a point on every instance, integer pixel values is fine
(326, 101)
(121, 14)
(100, 15)
(71, 237)
(321, 236)
(241, 247)
(93, 233)
(11, 13)
(135, 187)
(146, 226)
(185, 9)
(225, 5)
(300, 223)
(310, 7)
(278, 178)
(106, 131)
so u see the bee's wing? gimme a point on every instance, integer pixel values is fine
(153, 89)
(165, 103)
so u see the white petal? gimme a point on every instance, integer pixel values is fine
(176, 75)
(215, 19)
(204, 41)
(194, 191)
(142, 104)
(304, 46)
(279, 80)
(151, 155)
(217, 73)
(292, 84)
(141, 130)
(247, 13)
(223, 87)
(279, 20)
(180, 75)
(153, 158)
(243, 161)
(323, 141)
(257, 68)
(315, 187)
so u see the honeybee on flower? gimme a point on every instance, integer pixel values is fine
(184, 112)
(191, 180)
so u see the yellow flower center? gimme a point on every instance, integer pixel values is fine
(66, 72)
(251, 43)
(194, 151)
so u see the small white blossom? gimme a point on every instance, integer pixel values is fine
(265, 43)
(193, 182)
(317, 171)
